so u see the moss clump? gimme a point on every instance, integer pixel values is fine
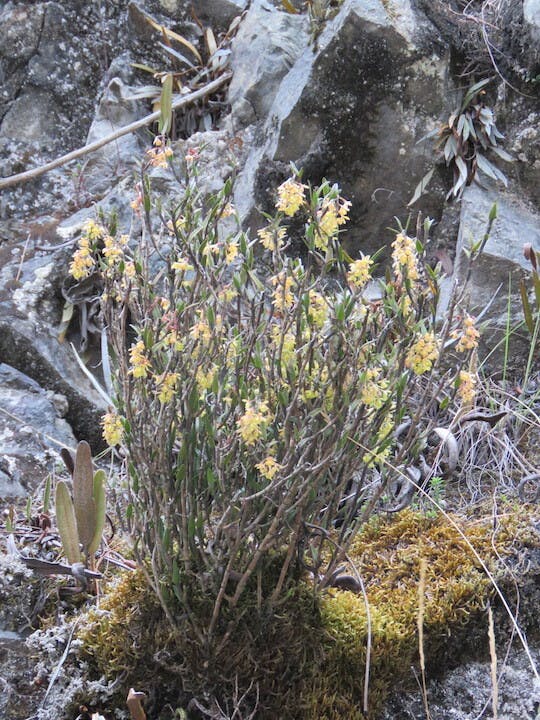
(387, 554)
(305, 660)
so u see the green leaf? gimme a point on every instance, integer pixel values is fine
(165, 105)
(421, 187)
(472, 92)
(289, 7)
(47, 495)
(83, 494)
(527, 312)
(67, 315)
(99, 503)
(67, 524)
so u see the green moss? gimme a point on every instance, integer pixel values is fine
(306, 659)
(387, 554)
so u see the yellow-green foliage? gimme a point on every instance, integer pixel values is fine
(308, 660)
(127, 628)
(387, 555)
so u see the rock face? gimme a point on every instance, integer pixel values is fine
(351, 109)
(33, 431)
(493, 286)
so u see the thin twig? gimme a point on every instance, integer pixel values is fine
(126, 130)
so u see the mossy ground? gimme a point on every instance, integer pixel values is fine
(307, 659)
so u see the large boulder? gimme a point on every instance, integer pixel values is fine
(352, 108)
(33, 430)
(494, 278)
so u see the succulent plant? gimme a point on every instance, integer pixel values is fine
(81, 518)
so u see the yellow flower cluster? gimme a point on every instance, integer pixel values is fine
(467, 387)
(378, 455)
(405, 258)
(182, 266)
(318, 309)
(272, 238)
(374, 392)
(167, 386)
(283, 296)
(469, 338)
(113, 250)
(227, 211)
(360, 271)
(160, 153)
(422, 354)
(290, 197)
(269, 467)
(253, 422)
(83, 260)
(205, 378)
(231, 251)
(332, 215)
(140, 364)
(113, 428)
(286, 345)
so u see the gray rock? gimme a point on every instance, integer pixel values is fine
(33, 117)
(266, 46)
(352, 111)
(466, 692)
(219, 13)
(32, 432)
(30, 310)
(21, 29)
(531, 14)
(501, 263)
(115, 160)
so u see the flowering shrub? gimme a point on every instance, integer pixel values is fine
(258, 396)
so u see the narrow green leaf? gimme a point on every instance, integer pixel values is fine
(421, 187)
(66, 522)
(100, 509)
(47, 495)
(83, 491)
(527, 312)
(165, 105)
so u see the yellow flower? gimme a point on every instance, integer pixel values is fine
(253, 422)
(330, 217)
(467, 387)
(83, 262)
(286, 345)
(374, 392)
(167, 386)
(283, 296)
(93, 231)
(379, 454)
(231, 251)
(227, 211)
(201, 331)
(227, 294)
(272, 238)
(182, 266)
(205, 378)
(318, 309)
(405, 258)
(140, 364)
(113, 429)
(290, 197)
(469, 338)
(269, 467)
(422, 354)
(112, 251)
(159, 154)
(360, 271)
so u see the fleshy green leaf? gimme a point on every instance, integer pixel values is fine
(67, 524)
